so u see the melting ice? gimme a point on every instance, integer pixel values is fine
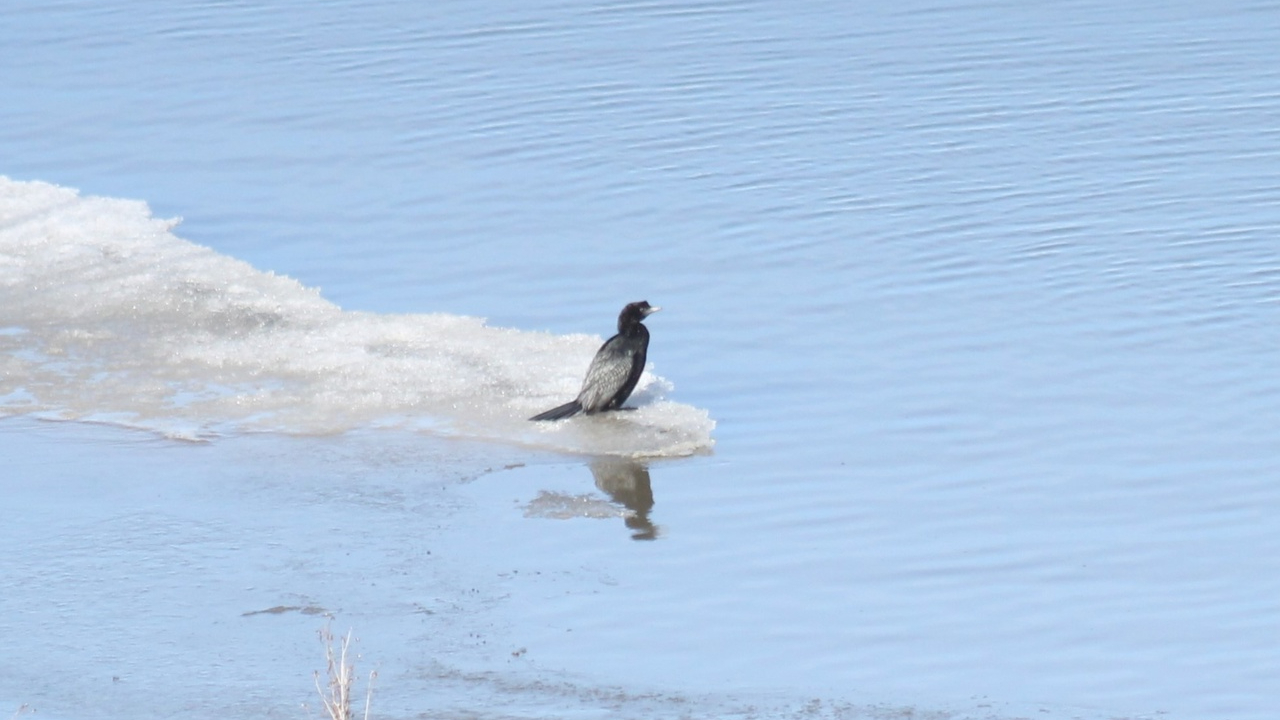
(106, 315)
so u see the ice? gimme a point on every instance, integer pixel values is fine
(107, 316)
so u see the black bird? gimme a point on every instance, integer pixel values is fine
(615, 370)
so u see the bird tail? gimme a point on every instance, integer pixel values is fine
(569, 409)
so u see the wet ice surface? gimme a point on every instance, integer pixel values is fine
(111, 316)
(158, 579)
(982, 301)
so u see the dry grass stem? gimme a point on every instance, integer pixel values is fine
(336, 696)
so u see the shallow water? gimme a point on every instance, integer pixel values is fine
(981, 300)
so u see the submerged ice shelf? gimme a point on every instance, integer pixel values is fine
(109, 316)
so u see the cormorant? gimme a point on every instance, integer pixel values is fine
(616, 368)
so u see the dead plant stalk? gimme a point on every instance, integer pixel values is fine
(341, 675)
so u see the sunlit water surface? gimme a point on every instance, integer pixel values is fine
(963, 402)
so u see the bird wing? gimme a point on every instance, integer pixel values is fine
(606, 376)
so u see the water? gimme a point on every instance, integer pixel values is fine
(968, 330)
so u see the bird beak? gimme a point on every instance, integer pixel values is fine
(651, 311)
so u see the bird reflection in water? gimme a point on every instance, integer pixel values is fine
(627, 482)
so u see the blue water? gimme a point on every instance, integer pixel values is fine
(981, 297)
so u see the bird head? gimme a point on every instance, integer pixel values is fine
(635, 312)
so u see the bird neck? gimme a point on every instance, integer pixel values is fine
(632, 329)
